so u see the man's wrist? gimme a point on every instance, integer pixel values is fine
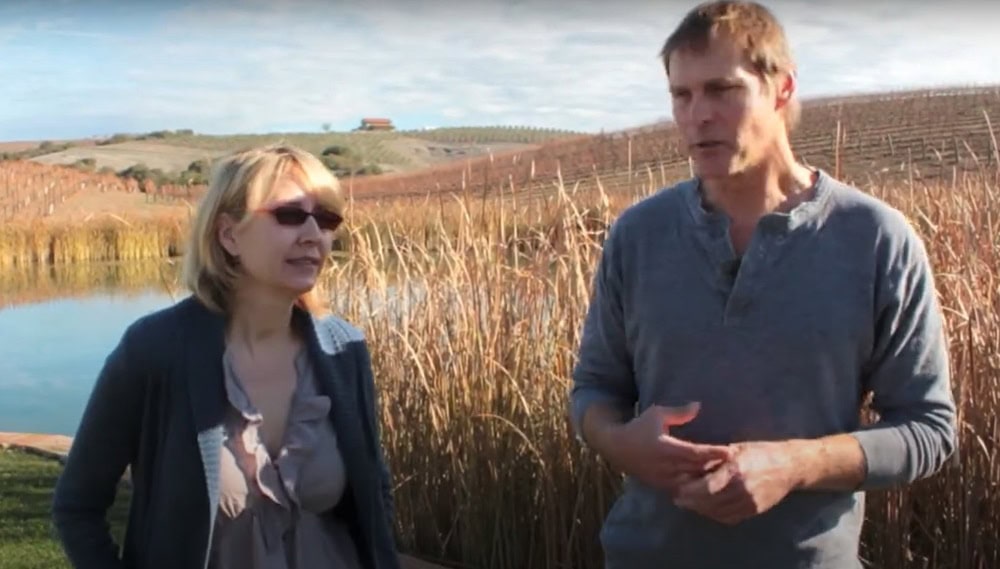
(801, 462)
(605, 437)
(829, 463)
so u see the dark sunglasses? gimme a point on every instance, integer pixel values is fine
(293, 215)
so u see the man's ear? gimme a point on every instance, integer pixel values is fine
(225, 227)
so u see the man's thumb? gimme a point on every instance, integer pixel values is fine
(674, 416)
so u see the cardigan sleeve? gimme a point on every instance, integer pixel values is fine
(105, 443)
(368, 384)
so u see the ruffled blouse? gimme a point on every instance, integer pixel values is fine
(270, 511)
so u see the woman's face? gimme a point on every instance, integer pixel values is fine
(281, 247)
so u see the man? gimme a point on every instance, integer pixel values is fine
(737, 322)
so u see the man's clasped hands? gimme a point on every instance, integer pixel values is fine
(727, 483)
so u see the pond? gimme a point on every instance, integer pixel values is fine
(57, 326)
(53, 343)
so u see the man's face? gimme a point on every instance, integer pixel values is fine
(727, 116)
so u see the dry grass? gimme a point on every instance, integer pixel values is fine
(107, 238)
(473, 347)
(473, 309)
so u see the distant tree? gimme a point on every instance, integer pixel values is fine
(337, 150)
(138, 172)
(202, 166)
(368, 170)
(85, 164)
(115, 139)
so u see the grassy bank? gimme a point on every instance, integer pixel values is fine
(27, 540)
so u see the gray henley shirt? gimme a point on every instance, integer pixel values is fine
(830, 301)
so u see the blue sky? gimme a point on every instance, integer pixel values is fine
(91, 67)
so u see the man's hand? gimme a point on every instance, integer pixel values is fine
(644, 448)
(759, 476)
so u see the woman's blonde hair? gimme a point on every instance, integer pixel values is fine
(240, 183)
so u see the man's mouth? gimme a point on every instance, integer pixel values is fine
(708, 144)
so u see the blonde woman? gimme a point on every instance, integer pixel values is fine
(245, 414)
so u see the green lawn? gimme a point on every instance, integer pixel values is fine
(27, 539)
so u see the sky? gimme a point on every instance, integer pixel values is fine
(86, 68)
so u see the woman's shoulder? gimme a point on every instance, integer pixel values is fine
(336, 334)
(162, 322)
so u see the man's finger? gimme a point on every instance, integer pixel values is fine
(673, 480)
(673, 416)
(704, 487)
(698, 453)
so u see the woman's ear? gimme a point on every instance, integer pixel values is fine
(785, 84)
(226, 227)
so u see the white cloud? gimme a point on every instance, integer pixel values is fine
(587, 65)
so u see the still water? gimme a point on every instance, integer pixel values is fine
(52, 350)
(57, 326)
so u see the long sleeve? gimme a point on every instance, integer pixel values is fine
(104, 445)
(368, 383)
(908, 374)
(603, 372)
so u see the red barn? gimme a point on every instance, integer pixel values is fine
(376, 124)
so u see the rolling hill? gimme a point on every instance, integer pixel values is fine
(931, 133)
(391, 151)
(920, 135)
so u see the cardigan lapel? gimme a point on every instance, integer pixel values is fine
(205, 345)
(335, 372)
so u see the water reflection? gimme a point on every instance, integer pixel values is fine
(51, 352)
(35, 284)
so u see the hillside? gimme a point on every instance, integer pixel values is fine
(919, 134)
(939, 133)
(390, 151)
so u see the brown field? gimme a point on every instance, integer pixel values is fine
(880, 138)
(154, 155)
(22, 145)
(472, 308)
(393, 151)
(923, 135)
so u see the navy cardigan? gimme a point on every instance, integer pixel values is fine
(157, 408)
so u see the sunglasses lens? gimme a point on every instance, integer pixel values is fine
(290, 215)
(327, 220)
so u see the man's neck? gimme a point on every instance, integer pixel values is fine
(766, 188)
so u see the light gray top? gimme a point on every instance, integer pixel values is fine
(271, 512)
(829, 301)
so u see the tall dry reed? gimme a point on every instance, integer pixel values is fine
(473, 345)
(36, 243)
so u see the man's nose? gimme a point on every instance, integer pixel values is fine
(701, 109)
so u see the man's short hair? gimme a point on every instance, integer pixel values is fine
(752, 27)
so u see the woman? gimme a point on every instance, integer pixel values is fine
(245, 414)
